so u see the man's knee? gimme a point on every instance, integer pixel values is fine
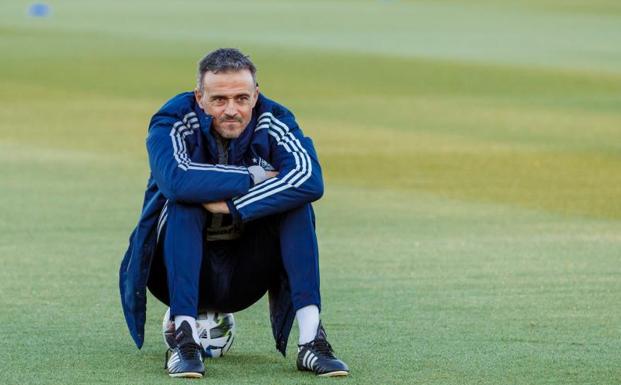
(185, 214)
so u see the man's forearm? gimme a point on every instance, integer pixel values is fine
(183, 180)
(222, 207)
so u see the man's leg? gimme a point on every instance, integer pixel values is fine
(183, 255)
(300, 256)
(298, 243)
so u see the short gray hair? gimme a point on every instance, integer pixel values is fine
(224, 60)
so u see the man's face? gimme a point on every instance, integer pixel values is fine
(229, 97)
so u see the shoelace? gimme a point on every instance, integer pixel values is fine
(323, 348)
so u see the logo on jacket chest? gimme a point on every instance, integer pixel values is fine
(258, 161)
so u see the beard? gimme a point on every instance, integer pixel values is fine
(229, 128)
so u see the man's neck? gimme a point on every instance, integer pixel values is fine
(223, 147)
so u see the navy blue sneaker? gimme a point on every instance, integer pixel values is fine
(186, 359)
(318, 356)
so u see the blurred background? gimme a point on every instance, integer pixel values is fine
(471, 226)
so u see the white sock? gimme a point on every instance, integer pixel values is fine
(308, 322)
(191, 320)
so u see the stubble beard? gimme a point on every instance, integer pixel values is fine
(229, 130)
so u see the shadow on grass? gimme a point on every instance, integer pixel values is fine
(236, 367)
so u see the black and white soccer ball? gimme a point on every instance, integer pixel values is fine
(216, 332)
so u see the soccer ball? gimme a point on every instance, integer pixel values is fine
(216, 332)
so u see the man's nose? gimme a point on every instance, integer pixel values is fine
(230, 108)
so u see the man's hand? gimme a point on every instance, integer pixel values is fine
(258, 174)
(218, 207)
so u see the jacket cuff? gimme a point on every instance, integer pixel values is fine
(258, 174)
(234, 212)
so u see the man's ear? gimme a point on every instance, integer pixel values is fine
(198, 95)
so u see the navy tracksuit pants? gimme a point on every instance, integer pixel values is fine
(193, 275)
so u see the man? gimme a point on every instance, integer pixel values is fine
(227, 217)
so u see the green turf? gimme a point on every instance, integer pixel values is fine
(471, 228)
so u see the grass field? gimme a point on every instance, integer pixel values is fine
(471, 228)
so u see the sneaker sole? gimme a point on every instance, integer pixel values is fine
(338, 373)
(186, 375)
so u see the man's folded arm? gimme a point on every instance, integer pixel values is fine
(181, 179)
(299, 179)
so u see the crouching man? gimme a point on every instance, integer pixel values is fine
(227, 217)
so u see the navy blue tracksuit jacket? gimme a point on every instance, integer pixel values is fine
(180, 173)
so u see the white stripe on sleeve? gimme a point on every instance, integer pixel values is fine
(298, 175)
